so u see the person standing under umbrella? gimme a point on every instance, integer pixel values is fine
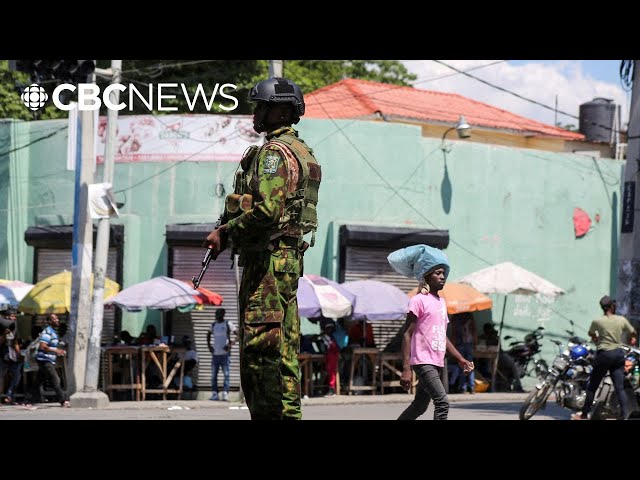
(220, 343)
(465, 339)
(11, 359)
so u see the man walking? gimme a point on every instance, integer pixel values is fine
(48, 352)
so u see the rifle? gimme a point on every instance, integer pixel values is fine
(210, 254)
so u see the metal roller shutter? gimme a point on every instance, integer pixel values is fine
(186, 262)
(370, 263)
(50, 261)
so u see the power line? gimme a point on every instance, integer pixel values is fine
(210, 144)
(391, 187)
(411, 84)
(44, 137)
(526, 99)
(412, 207)
(161, 66)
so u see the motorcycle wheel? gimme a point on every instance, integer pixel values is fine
(534, 401)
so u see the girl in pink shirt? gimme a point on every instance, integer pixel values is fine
(424, 344)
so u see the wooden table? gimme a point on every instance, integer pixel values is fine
(358, 356)
(306, 361)
(128, 356)
(158, 355)
(492, 355)
(392, 363)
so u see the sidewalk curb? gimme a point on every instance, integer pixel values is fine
(337, 400)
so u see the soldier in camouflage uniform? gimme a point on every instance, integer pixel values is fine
(272, 207)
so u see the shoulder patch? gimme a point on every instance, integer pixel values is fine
(271, 161)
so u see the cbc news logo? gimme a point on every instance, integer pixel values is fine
(34, 97)
(91, 98)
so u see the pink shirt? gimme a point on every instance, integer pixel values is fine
(429, 339)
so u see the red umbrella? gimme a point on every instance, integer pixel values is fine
(207, 297)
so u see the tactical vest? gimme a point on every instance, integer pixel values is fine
(300, 214)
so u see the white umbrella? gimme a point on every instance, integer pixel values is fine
(159, 293)
(12, 292)
(507, 278)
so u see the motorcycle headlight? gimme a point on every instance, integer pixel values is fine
(560, 363)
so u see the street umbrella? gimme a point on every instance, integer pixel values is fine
(461, 298)
(319, 296)
(53, 294)
(377, 300)
(207, 297)
(508, 278)
(159, 293)
(11, 292)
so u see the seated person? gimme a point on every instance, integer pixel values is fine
(190, 359)
(308, 344)
(329, 346)
(149, 336)
(356, 337)
(126, 338)
(462, 333)
(506, 363)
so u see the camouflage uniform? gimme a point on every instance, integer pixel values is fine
(269, 321)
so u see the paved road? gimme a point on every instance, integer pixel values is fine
(480, 407)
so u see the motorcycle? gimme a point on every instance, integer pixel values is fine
(606, 405)
(525, 355)
(567, 378)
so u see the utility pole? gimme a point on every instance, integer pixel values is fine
(81, 256)
(91, 396)
(628, 288)
(275, 68)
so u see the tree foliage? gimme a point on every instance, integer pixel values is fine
(309, 74)
(11, 106)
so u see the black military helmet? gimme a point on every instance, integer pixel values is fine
(278, 90)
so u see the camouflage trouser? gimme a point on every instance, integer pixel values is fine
(270, 334)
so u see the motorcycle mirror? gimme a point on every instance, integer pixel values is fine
(540, 328)
(507, 337)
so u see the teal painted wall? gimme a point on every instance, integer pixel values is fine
(498, 203)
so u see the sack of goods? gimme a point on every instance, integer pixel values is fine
(416, 260)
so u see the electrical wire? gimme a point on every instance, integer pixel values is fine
(526, 99)
(416, 210)
(410, 84)
(44, 137)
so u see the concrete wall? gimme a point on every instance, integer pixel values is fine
(499, 204)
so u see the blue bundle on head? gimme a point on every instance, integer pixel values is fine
(416, 260)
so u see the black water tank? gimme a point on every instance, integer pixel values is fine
(596, 119)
